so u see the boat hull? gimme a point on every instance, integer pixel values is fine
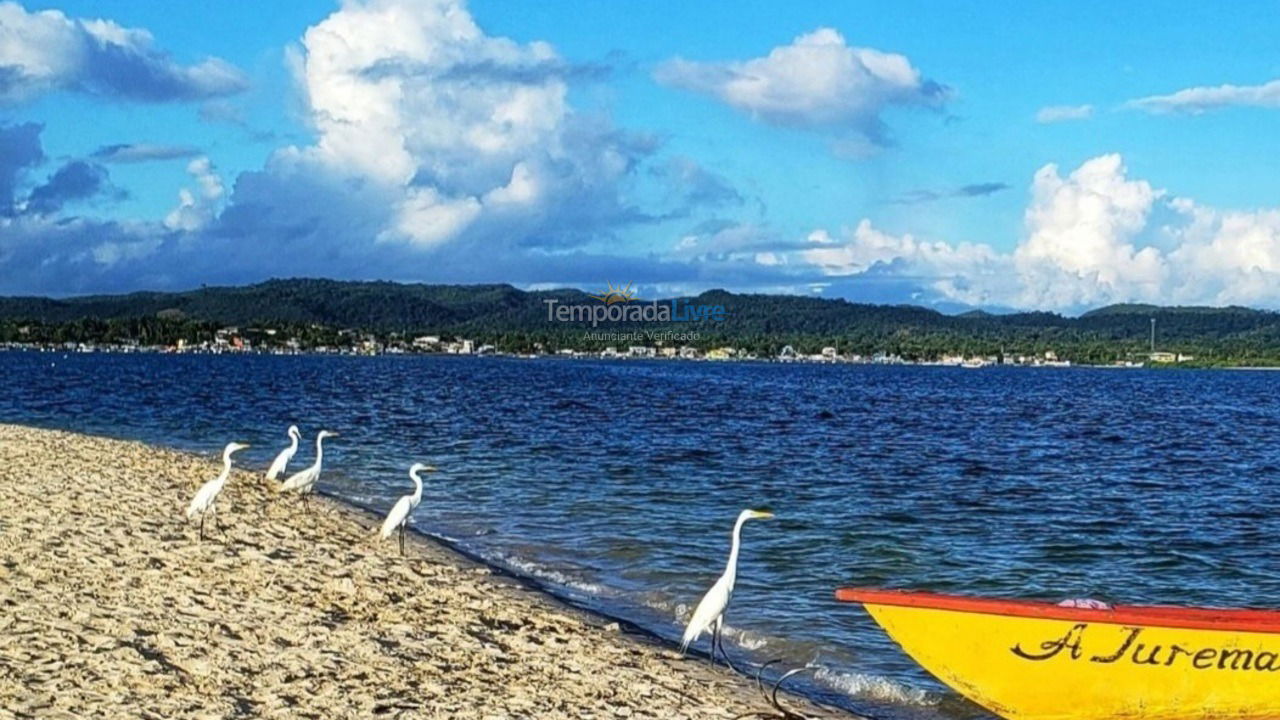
(1037, 661)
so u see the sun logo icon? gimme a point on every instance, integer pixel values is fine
(616, 295)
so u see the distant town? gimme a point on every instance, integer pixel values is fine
(272, 341)
(319, 316)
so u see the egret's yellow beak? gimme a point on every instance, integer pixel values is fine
(762, 514)
(429, 468)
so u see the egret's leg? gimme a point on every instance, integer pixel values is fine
(720, 642)
(715, 641)
(202, 526)
(401, 539)
(720, 639)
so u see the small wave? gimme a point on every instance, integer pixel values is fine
(873, 687)
(538, 571)
(745, 639)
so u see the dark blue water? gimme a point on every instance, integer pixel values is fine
(619, 481)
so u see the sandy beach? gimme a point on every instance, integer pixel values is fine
(112, 608)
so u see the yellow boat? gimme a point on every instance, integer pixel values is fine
(1027, 660)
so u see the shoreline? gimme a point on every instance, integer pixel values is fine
(115, 607)
(587, 357)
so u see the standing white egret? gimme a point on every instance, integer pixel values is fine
(304, 481)
(282, 460)
(709, 615)
(399, 515)
(203, 503)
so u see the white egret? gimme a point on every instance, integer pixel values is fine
(282, 460)
(203, 503)
(304, 481)
(709, 615)
(399, 515)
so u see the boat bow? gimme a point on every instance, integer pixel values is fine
(1029, 660)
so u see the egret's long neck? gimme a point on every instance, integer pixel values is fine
(417, 487)
(226, 467)
(731, 569)
(293, 442)
(319, 449)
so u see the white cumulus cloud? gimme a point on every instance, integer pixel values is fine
(1080, 248)
(1092, 237)
(971, 273)
(817, 81)
(1063, 113)
(1198, 100)
(1226, 257)
(196, 208)
(469, 134)
(44, 51)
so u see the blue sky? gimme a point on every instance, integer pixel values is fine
(995, 155)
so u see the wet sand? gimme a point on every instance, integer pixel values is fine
(110, 607)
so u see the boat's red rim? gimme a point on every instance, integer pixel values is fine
(1241, 620)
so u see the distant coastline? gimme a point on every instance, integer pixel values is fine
(382, 317)
(697, 357)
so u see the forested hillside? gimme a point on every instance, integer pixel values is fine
(517, 320)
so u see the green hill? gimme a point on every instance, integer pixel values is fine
(517, 319)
